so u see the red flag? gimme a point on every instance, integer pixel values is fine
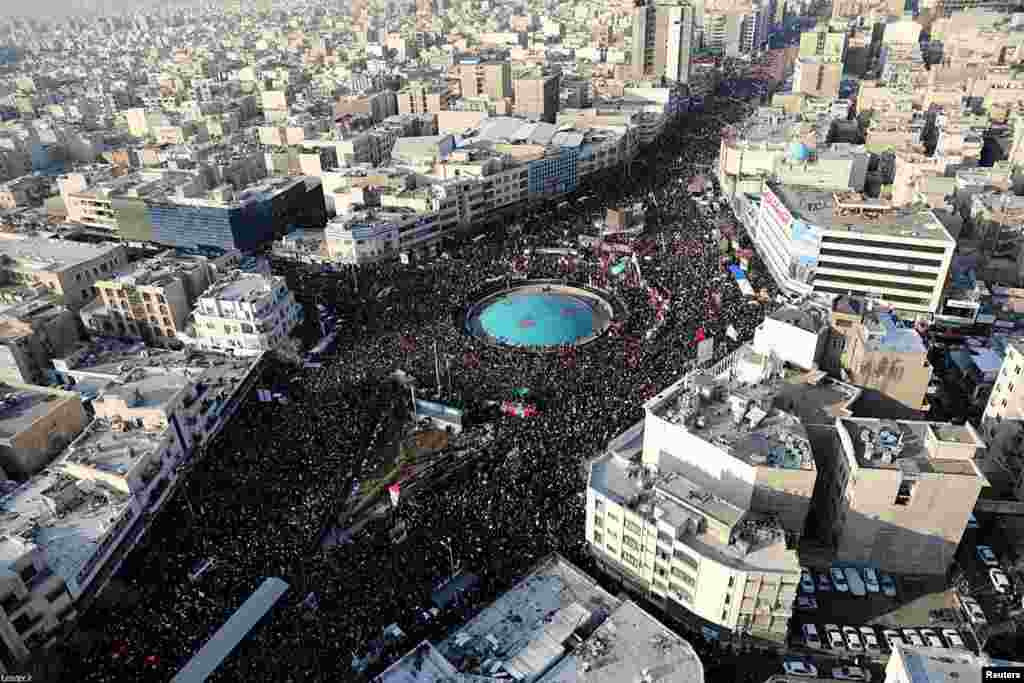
(152, 660)
(700, 334)
(395, 490)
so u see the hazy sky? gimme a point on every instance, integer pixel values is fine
(62, 8)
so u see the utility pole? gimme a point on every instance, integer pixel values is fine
(437, 369)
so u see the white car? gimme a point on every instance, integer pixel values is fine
(839, 580)
(806, 602)
(824, 585)
(953, 638)
(835, 637)
(852, 639)
(806, 581)
(867, 634)
(1000, 581)
(975, 614)
(810, 632)
(851, 673)
(892, 638)
(871, 580)
(931, 638)
(987, 555)
(912, 637)
(795, 666)
(888, 585)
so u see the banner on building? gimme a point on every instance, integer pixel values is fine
(395, 491)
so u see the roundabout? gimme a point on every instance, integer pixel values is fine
(541, 315)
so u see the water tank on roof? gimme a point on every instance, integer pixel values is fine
(798, 152)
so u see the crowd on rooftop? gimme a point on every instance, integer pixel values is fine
(257, 501)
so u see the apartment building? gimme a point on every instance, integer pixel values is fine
(997, 218)
(244, 314)
(484, 78)
(66, 268)
(536, 93)
(795, 335)
(663, 35)
(898, 493)
(34, 329)
(24, 191)
(37, 423)
(882, 356)
(421, 98)
(151, 300)
(827, 41)
(816, 77)
(377, 106)
(699, 515)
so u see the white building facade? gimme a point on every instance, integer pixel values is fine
(244, 314)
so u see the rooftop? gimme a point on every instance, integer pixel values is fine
(240, 286)
(913, 447)
(883, 333)
(807, 319)
(20, 406)
(113, 448)
(44, 254)
(853, 213)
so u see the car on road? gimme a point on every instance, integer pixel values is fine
(973, 611)
(835, 637)
(912, 637)
(839, 580)
(953, 638)
(798, 666)
(987, 555)
(852, 639)
(806, 581)
(888, 585)
(871, 580)
(1000, 581)
(892, 638)
(867, 634)
(810, 632)
(851, 673)
(824, 585)
(806, 602)
(931, 638)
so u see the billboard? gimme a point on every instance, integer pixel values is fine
(781, 213)
(439, 412)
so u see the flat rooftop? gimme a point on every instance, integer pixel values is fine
(807, 319)
(820, 208)
(884, 334)
(45, 254)
(103, 448)
(21, 406)
(239, 287)
(903, 445)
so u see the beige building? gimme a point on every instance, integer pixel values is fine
(419, 98)
(23, 191)
(817, 77)
(701, 516)
(883, 357)
(66, 268)
(36, 424)
(490, 78)
(536, 93)
(897, 494)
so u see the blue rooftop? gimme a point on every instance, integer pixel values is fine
(897, 339)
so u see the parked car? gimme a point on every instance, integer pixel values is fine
(839, 580)
(888, 585)
(973, 611)
(912, 637)
(987, 555)
(871, 580)
(852, 639)
(797, 666)
(931, 638)
(835, 637)
(867, 634)
(892, 638)
(953, 638)
(806, 602)
(1000, 581)
(806, 581)
(851, 673)
(810, 632)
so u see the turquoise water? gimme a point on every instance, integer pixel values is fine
(538, 319)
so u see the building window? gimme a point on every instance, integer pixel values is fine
(683, 576)
(598, 538)
(632, 560)
(728, 598)
(630, 542)
(681, 592)
(633, 527)
(664, 538)
(905, 493)
(685, 559)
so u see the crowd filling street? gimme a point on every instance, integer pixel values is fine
(259, 500)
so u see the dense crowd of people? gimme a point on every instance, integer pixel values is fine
(257, 501)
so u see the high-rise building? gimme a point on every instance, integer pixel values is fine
(663, 40)
(536, 93)
(490, 78)
(817, 77)
(421, 98)
(826, 40)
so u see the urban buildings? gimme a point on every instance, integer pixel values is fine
(37, 423)
(663, 35)
(34, 329)
(701, 516)
(244, 314)
(421, 98)
(816, 77)
(827, 41)
(556, 623)
(490, 78)
(882, 356)
(796, 335)
(899, 492)
(67, 269)
(536, 93)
